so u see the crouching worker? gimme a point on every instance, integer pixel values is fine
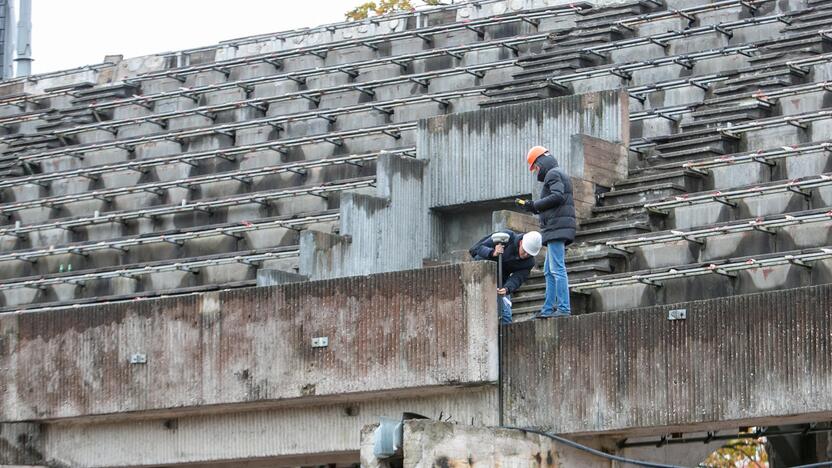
(518, 259)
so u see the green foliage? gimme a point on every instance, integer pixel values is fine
(383, 7)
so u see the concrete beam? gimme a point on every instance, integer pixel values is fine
(430, 443)
(314, 435)
(407, 333)
(734, 361)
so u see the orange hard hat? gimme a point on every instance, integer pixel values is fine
(533, 154)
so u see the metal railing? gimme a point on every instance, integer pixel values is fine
(371, 42)
(683, 60)
(191, 265)
(178, 237)
(765, 157)
(728, 268)
(281, 145)
(260, 104)
(691, 12)
(350, 69)
(144, 165)
(244, 176)
(729, 197)
(185, 206)
(767, 224)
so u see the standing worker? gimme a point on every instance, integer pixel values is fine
(518, 254)
(556, 210)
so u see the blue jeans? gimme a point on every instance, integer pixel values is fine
(504, 308)
(557, 284)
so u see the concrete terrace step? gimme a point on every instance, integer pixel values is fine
(690, 180)
(641, 194)
(821, 20)
(699, 152)
(718, 140)
(756, 109)
(582, 38)
(546, 70)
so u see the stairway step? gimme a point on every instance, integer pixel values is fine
(817, 25)
(707, 151)
(717, 120)
(640, 194)
(551, 70)
(513, 99)
(715, 140)
(752, 86)
(692, 181)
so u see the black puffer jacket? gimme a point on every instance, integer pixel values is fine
(515, 269)
(556, 205)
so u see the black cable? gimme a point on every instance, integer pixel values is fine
(606, 455)
(814, 465)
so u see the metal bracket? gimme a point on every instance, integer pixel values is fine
(677, 314)
(138, 358)
(320, 342)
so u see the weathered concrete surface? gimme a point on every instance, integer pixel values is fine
(599, 163)
(747, 360)
(411, 332)
(20, 444)
(414, 213)
(312, 435)
(430, 443)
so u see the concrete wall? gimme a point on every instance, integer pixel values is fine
(737, 361)
(469, 151)
(412, 216)
(412, 332)
(440, 444)
(298, 436)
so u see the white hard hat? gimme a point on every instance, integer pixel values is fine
(532, 241)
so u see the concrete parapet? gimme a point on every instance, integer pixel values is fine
(733, 361)
(392, 335)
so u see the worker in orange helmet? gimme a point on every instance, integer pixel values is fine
(556, 211)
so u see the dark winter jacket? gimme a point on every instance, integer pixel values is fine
(515, 269)
(556, 205)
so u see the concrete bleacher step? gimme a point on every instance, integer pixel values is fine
(718, 120)
(691, 181)
(530, 90)
(717, 116)
(135, 296)
(613, 228)
(650, 193)
(814, 22)
(602, 17)
(754, 79)
(579, 39)
(800, 40)
(105, 93)
(719, 142)
(764, 85)
(555, 65)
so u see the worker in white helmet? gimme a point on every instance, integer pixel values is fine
(518, 252)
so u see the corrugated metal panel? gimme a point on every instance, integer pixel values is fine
(480, 155)
(313, 431)
(766, 355)
(391, 333)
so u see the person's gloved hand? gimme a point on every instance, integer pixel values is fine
(527, 205)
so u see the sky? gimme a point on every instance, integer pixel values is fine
(71, 33)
